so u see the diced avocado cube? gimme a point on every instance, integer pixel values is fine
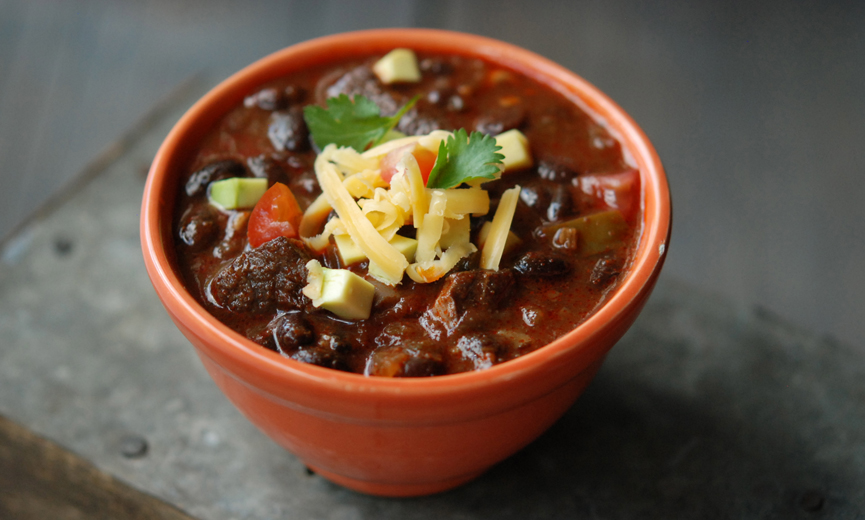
(598, 232)
(348, 250)
(351, 253)
(346, 294)
(236, 192)
(601, 232)
(515, 148)
(406, 246)
(458, 231)
(397, 66)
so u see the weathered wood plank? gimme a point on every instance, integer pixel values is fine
(40, 480)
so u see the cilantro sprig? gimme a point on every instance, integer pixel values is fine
(357, 122)
(354, 122)
(463, 158)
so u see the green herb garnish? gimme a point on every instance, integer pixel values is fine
(462, 159)
(354, 122)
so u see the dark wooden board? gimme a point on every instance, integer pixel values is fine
(40, 480)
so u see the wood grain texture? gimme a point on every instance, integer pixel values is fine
(40, 481)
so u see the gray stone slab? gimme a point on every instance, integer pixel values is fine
(704, 409)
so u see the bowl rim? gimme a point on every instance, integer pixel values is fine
(228, 344)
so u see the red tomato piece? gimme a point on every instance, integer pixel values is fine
(277, 214)
(619, 191)
(425, 160)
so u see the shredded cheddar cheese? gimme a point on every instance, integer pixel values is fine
(430, 232)
(370, 212)
(430, 271)
(408, 172)
(314, 282)
(361, 230)
(455, 231)
(494, 246)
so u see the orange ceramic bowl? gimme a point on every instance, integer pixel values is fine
(410, 436)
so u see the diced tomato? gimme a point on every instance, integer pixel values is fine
(619, 191)
(425, 159)
(276, 214)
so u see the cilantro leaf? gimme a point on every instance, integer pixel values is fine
(354, 122)
(462, 159)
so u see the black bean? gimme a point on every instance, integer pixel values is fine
(435, 66)
(337, 343)
(264, 336)
(555, 172)
(294, 95)
(414, 124)
(305, 182)
(488, 125)
(605, 271)
(267, 99)
(477, 344)
(331, 258)
(406, 355)
(468, 263)
(297, 162)
(478, 222)
(323, 358)
(500, 119)
(198, 181)
(268, 168)
(535, 196)
(291, 332)
(199, 227)
(561, 203)
(360, 80)
(233, 239)
(444, 84)
(423, 366)
(436, 96)
(287, 130)
(536, 263)
(456, 103)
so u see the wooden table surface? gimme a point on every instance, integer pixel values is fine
(40, 480)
